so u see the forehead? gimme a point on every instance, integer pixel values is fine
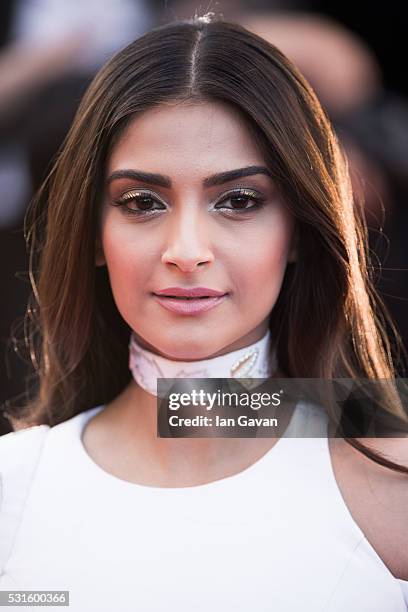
(196, 136)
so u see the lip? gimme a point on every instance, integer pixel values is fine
(190, 307)
(189, 292)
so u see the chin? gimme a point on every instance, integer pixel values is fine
(186, 354)
(185, 347)
(185, 350)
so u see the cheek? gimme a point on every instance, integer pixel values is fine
(262, 262)
(127, 260)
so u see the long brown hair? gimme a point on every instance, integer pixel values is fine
(328, 321)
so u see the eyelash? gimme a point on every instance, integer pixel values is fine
(146, 195)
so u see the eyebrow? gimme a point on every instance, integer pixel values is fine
(210, 181)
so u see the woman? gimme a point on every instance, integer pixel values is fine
(200, 160)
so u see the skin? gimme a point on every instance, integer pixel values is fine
(376, 497)
(190, 244)
(191, 241)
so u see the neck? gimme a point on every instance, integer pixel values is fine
(257, 360)
(131, 420)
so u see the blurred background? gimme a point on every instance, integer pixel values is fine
(51, 49)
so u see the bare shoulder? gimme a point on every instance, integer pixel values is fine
(376, 496)
(392, 449)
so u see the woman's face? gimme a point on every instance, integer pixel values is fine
(191, 226)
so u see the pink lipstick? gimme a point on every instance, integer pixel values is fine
(189, 301)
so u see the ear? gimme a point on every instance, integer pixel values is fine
(99, 254)
(293, 249)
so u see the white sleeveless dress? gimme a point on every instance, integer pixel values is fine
(277, 536)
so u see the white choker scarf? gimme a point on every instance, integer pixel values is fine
(254, 361)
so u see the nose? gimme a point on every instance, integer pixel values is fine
(187, 241)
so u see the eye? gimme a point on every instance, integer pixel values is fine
(240, 198)
(139, 203)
